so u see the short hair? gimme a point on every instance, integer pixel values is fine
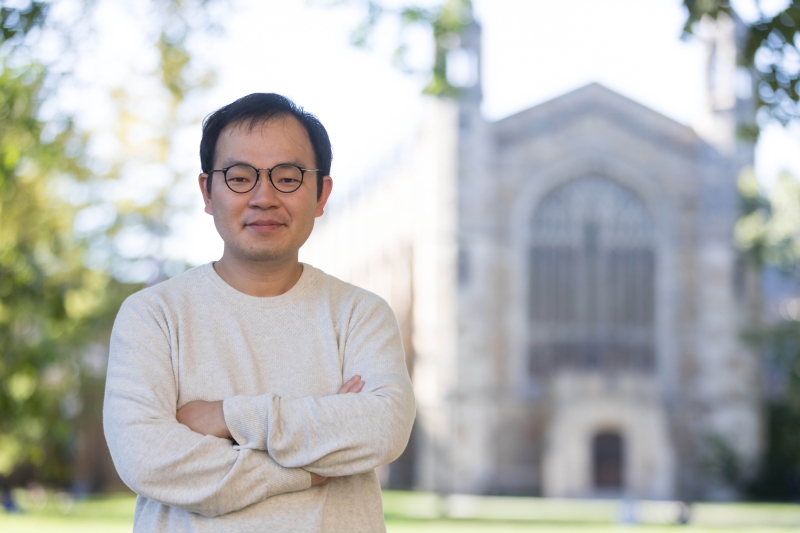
(260, 108)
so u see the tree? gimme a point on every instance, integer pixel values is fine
(769, 229)
(49, 297)
(769, 233)
(53, 303)
(770, 53)
(445, 22)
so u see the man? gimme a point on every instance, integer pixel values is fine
(221, 407)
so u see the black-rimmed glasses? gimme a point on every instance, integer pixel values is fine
(243, 178)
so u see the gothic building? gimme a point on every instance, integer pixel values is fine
(568, 290)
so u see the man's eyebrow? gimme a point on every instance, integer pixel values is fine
(297, 163)
(227, 163)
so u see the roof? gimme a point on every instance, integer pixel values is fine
(595, 100)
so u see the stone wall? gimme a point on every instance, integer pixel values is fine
(443, 236)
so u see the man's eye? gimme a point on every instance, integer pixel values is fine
(288, 180)
(238, 179)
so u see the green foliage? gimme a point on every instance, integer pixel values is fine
(699, 8)
(721, 465)
(778, 477)
(49, 299)
(755, 210)
(16, 21)
(769, 232)
(770, 50)
(770, 53)
(177, 19)
(769, 227)
(55, 311)
(445, 22)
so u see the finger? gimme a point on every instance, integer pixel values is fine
(317, 480)
(356, 387)
(347, 387)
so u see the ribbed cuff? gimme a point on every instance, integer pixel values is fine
(287, 480)
(247, 420)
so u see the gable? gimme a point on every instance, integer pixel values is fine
(595, 102)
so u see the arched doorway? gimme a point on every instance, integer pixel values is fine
(591, 280)
(608, 461)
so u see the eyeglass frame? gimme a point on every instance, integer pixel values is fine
(258, 176)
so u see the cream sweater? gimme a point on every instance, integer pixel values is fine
(277, 364)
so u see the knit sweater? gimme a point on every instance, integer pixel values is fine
(277, 364)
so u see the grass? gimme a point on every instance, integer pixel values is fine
(495, 526)
(431, 513)
(104, 513)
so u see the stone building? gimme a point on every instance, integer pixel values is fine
(569, 293)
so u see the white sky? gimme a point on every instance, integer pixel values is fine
(534, 50)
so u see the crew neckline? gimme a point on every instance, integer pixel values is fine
(305, 281)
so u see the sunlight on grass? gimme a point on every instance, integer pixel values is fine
(62, 524)
(419, 512)
(486, 526)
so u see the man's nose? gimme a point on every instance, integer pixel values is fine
(264, 195)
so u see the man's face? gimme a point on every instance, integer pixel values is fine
(264, 224)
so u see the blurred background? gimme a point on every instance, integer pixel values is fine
(585, 215)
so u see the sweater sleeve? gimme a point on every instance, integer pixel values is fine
(341, 434)
(158, 457)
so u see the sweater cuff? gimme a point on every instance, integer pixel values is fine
(247, 420)
(279, 480)
(287, 480)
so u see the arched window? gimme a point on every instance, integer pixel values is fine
(608, 461)
(591, 280)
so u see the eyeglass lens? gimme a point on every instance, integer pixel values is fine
(285, 178)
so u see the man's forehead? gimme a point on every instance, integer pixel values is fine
(259, 125)
(258, 131)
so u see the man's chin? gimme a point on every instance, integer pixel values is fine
(265, 255)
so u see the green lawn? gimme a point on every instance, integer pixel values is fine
(112, 514)
(429, 513)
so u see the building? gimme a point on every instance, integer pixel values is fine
(568, 290)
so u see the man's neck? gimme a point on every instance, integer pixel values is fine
(259, 278)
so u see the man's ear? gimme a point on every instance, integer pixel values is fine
(202, 180)
(327, 187)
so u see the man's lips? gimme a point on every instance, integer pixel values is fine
(264, 225)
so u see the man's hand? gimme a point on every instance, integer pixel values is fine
(317, 480)
(205, 418)
(354, 384)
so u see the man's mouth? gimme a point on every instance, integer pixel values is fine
(264, 225)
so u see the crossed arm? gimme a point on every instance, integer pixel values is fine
(183, 458)
(208, 418)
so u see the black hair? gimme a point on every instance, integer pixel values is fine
(259, 108)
